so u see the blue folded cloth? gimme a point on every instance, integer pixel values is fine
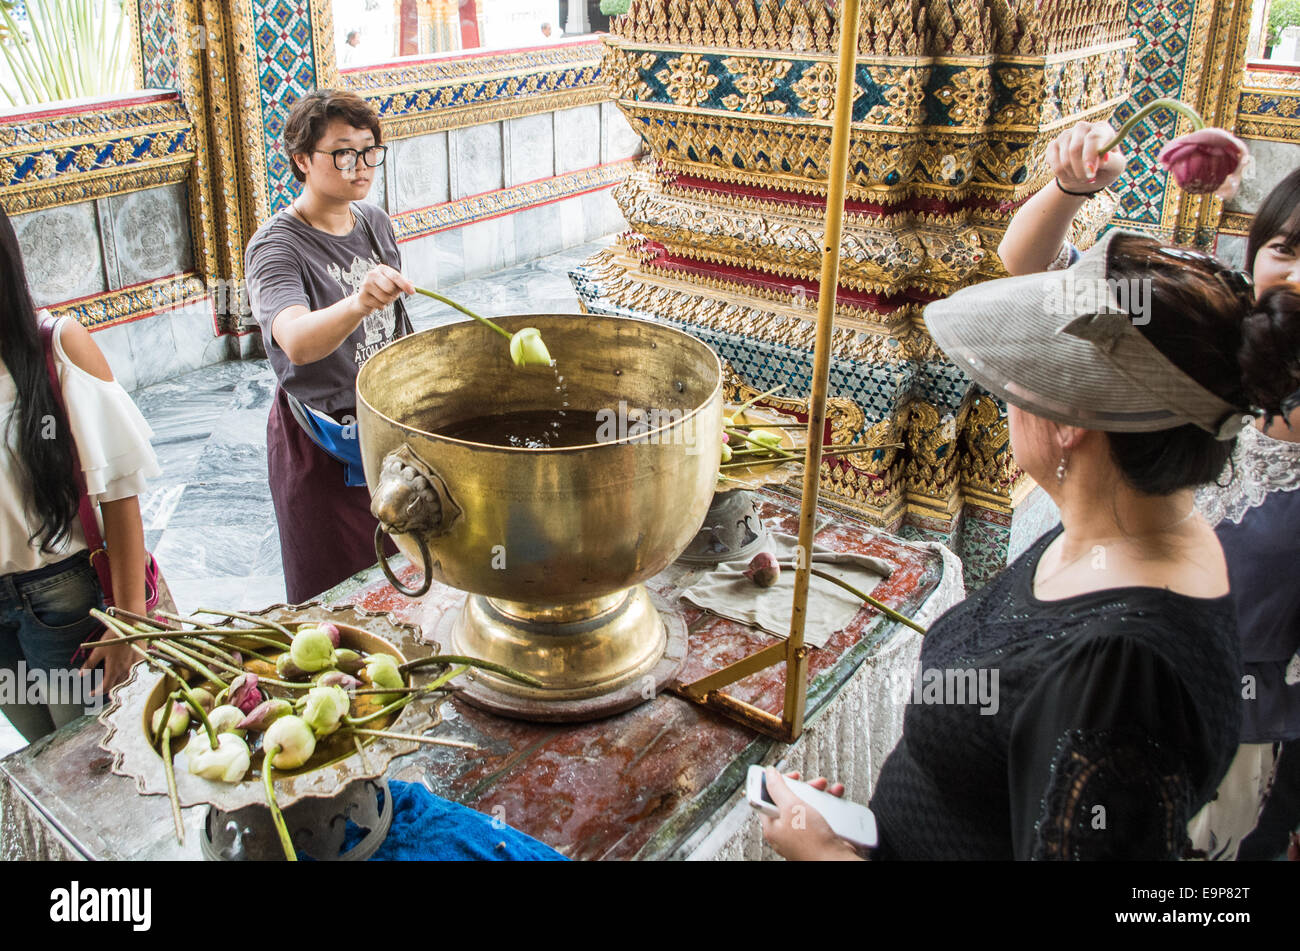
(427, 828)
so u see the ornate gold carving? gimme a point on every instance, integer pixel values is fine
(688, 80)
(132, 303)
(816, 90)
(444, 119)
(1232, 222)
(70, 191)
(756, 80)
(1268, 80)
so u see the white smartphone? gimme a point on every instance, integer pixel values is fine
(848, 820)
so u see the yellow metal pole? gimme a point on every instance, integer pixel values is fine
(796, 671)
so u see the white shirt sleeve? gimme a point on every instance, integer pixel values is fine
(112, 436)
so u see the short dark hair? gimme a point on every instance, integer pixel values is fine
(1279, 213)
(316, 110)
(1245, 351)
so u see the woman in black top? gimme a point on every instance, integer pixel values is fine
(1113, 638)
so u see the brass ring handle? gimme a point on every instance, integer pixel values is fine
(388, 572)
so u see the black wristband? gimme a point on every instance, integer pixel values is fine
(1076, 194)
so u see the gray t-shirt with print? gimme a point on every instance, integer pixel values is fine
(289, 262)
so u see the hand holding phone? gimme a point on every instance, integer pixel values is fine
(848, 820)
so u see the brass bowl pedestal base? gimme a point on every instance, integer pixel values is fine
(596, 659)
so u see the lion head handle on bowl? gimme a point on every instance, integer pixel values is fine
(411, 497)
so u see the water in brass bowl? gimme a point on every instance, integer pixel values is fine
(552, 543)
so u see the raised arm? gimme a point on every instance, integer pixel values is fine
(1033, 239)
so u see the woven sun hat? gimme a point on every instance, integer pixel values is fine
(1066, 345)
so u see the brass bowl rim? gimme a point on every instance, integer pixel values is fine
(640, 438)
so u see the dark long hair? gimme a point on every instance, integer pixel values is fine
(1244, 350)
(47, 462)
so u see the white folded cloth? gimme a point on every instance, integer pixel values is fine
(727, 592)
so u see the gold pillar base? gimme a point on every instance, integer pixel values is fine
(595, 659)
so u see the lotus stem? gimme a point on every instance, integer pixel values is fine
(382, 711)
(170, 772)
(750, 402)
(1179, 107)
(416, 739)
(281, 829)
(361, 752)
(164, 624)
(470, 662)
(883, 609)
(780, 452)
(255, 621)
(464, 310)
(197, 709)
(197, 666)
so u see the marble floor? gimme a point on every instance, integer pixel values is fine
(208, 519)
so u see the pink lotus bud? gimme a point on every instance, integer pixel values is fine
(265, 713)
(332, 630)
(1207, 160)
(286, 669)
(178, 718)
(350, 662)
(243, 693)
(763, 570)
(337, 678)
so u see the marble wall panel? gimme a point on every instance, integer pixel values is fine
(382, 186)
(1273, 162)
(420, 169)
(577, 138)
(538, 232)
(151, 233)
(449, 257)
(61, 253)
(532, 149)
(115, 344)
(1231, 250)
(195, 335)
(601, 214)
(488, 245)
(420, 263)
(618, 140)
(476, 160)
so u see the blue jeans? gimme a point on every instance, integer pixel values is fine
(44, 619)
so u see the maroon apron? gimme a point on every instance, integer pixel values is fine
(327, 533)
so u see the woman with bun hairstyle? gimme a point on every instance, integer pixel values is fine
(1113, 636)
(1253, 504)
(47, 584)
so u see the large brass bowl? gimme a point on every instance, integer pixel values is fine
(553, 544)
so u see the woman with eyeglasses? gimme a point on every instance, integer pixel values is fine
(1254, 505)
(325, 285)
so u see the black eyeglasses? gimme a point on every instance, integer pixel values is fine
(345, 160)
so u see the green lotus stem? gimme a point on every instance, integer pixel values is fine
(239, 670)
(381, 712)
(204, 647)
(166, 750)
(463, 310)
(194, 665)
(257, 622)
(750, 402)
(368, 691)
(752, 442)
(131, 616)
(887, 611)
(1179, 107)
(281, 829)
(436, 659)
(197, 709)
(361, 753)
(416, 739)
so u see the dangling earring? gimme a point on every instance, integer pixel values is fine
(1060, 472)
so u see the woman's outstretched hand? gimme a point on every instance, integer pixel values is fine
(1073, 157)
(800, 833)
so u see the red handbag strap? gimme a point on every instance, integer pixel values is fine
(89, 524)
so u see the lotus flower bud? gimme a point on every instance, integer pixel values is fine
(332, 630)
(336, 678)
(766, 439)
(763, 570)
(325, 709)
(228, 763)
(382, 671)
(527, 349)
(286, 669)
(226, 719)
(243, 693)
(203, 696)
(264, 714)
(178, 718)
(726, 453)
(1207, 160)
(294, 740)
(350, 662)
(312, 650)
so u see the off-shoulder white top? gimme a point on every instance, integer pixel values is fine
(112, 440)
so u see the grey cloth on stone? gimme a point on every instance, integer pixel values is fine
(727, 592)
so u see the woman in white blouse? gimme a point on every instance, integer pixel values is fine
(47, 584)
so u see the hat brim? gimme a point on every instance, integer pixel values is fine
(1007, 336)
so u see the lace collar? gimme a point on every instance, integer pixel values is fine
(1260, 465)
